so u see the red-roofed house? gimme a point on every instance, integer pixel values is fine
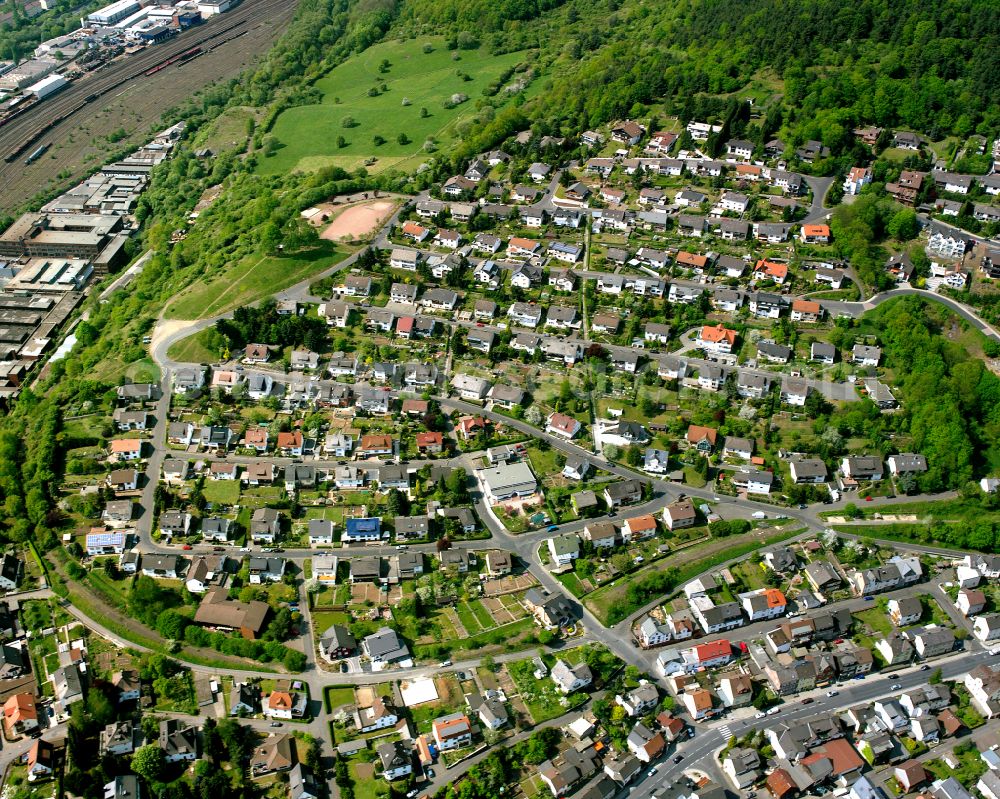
(713, 653)
(414, 231)
(702, 438)
(816, 234)
(522, 246)
(770, 269)
(414, 407)
(671, 725)
(806, 311)
(717, 339)
(639, 527)
(290, 444)
(469, 426)
(452, 732)
(255, 438)
(844, 760)
(562, 425)
(781, 784)
(691, 260)
(404, 326)
(19, 714)
(429, 443)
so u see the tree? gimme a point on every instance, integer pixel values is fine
(171, 624)
(378, 141)
(211, 741)
(341, 142)
(349, 122)
(904, 225)
(280, 628)
(403, 139)
(148, 762)
(294, 660)
(99, 707)
(424, 113)
(936, 677)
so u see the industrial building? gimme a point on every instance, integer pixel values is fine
(112, 14)
(96, 237)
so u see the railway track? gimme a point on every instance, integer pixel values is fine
(19, 133)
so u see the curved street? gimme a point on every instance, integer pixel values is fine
(710, 736)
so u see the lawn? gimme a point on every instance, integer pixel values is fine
(572, 584)
(194, 349)
(337, 695)
(540, 697)
(468, 618)
(544, 461)
(509, 637)
(365, 784)
(307, 136)
(225, 492)
(875, 619)
(251, 279)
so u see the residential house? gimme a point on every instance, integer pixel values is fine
(453, 731)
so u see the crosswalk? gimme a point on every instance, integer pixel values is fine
(726, 732)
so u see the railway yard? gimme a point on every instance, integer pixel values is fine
(118, 105)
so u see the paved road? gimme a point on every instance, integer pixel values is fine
(819, 186)
(618, 639)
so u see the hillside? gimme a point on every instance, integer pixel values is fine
(386, 103)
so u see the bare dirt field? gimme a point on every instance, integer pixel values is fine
(358, 220)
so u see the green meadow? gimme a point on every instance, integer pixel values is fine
(307, 136)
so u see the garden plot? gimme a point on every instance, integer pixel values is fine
(510, 584)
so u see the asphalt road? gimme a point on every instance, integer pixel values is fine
(618, 639)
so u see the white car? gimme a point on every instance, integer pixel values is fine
(759, 715)
(774, 711)
(832, 693)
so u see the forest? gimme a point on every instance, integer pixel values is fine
(950, 400)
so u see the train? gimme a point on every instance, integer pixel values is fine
(180, 58)
(37, 154)
(28, 102)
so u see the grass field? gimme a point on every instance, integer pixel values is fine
(307, 135)
(226, 492)
(335, 696)
(229, 130)
(251, 279)
(193, 349)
